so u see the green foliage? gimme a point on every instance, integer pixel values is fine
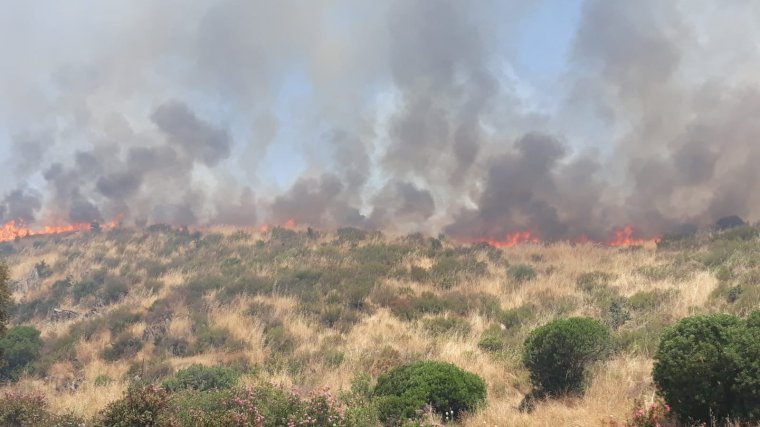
(202, 378)
(451, 268)
(404, 390)
(492, 339)
(643, 301)
(19, 347)
(518, 316)
(521, 273)
(706, 367)
(559, 354)
(18, 409)
(125, 346)
(140, 406)
(84, 289)
(446, 326)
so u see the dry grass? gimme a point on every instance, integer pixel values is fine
(616, 384)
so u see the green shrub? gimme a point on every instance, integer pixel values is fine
(559, 353)
(18, 409)
(516, 317)
(202, 378)
(84, 289)
(279, 340)
(706, 367)
(521, 273)
(140, 406)
(438, 326)
(748, 378)
(650, 300)
(492, 339)
(407, 388)
(19, 347)
(125, 346)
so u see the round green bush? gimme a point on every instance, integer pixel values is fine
(404, 390)
(695, 368)
(559, 353)
(708, 368)
(20, 346)
(202, 378)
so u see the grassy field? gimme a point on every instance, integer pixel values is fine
(302, 309)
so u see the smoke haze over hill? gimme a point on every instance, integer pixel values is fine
(412, 115)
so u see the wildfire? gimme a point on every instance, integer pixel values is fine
(514, 239)
(624, 237)
(16, 229)
(12, 230)
(621, 237)
(289, 224)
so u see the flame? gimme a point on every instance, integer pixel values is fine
(514, 239)
(289, 224)
(624, 237)
(16, 229)
(621, 237)
(12, 230)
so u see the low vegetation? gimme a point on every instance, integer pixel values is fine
(164, 326)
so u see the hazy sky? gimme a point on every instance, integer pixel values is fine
(567, 117)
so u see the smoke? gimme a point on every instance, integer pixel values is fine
(411, 115)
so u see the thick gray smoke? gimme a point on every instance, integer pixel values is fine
(411, 115)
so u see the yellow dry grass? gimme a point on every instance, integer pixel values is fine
(615, 386)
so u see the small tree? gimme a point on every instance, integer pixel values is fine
(708, 368)
(19, 347)
(559, 354)
(446, 388)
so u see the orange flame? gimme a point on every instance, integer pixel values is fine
(17, 229)
(13, 229)
(289, 224)
(624, 237)
(514, 239)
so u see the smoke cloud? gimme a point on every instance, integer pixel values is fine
(409, 115)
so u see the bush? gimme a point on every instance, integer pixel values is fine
(706, 367)
(84, 289)
(202, 378)
(19, 347)
(492, 339)
(140, 406)
(518, 316)
(406, 389)
(30, 410)
(521, 273)
(559, 354)
(123, 347)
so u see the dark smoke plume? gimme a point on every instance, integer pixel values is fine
(410, 115)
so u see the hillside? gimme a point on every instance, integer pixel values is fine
(303, 309)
